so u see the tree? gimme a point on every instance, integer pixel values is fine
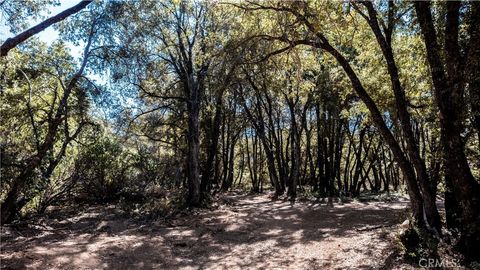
(384, 39)
(448, 76)
(303, 15)
(46, 138)
(173, 37)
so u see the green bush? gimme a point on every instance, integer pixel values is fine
(100, 169)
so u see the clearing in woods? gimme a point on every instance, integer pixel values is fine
(246, 231)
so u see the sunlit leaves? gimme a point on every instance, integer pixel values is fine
(37, 78)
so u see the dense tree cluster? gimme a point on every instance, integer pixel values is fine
(315, 97)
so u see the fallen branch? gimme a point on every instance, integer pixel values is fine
(371, 228)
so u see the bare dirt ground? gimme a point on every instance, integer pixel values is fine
(248, 232)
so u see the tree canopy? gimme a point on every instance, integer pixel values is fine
(328, 98)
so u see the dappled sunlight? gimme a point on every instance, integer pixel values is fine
(253, 232)
(166, 134)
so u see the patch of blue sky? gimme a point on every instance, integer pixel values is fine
(111, 103)
(48, 35)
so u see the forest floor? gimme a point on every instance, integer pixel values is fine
(243, 232)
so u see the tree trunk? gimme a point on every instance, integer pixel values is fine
(473, 59)
(193, 169)
(292, 189)
(449, 95)
(407, 169)
(431, 211)
(213, 146)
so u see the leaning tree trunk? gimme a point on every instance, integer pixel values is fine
(10, 206)
(431, 211)
(403, 162)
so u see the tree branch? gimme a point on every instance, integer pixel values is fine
(11, 43)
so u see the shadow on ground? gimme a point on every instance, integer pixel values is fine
(252, 232)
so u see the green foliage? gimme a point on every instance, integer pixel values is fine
(18, 13)
(151, 53)
(101, 168)
(37, 77)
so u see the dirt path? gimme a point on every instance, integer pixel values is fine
(249, 232)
